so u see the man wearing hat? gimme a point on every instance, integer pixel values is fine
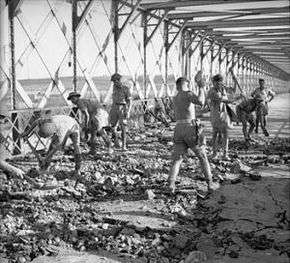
(94, 119)
(58, 128)
(265, 95)
(188, 133)
(120, 110)
(5, 127)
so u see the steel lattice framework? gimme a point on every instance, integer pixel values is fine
(150, 42)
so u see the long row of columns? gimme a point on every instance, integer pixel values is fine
(247, 69)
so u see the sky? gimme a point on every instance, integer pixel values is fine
(36, 23)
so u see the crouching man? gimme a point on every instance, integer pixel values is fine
(94, 119)
(188, 132)
(58, 128)
(4, 129)
(245, 113)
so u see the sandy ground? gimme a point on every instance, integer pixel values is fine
(121, 212)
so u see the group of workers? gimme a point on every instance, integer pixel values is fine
(188, 133)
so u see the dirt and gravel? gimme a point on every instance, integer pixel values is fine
(121, 210)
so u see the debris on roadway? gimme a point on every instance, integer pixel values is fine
(121, 208)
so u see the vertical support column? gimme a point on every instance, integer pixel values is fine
(220, 61)
(145, 29)
(211, 60)
(244, 74)
(201, 55)
(15, 133)
(12, 54)
(115, 5)
(74, 41)
(4, 44)
(227, 66)
(166, 44)
(184, 41)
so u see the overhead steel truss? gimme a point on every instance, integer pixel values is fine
(210, 45)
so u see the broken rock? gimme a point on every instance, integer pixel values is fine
(207, 245)
(196, 257)
(180, 241)
(239, 167)
(150, 194)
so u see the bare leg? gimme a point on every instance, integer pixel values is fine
(245, 129)
(93, 143)
(205, 166)
(174, 173)
(124, 136)
(115, 136)
(257, 121)
(225, 143)
(53, 148)
(252, 124)
(214, 142)
(263, 126)
(106, 139)
(77, 153)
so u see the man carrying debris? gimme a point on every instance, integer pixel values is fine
(4, 129)
(58, 128)
(120, 110)
(188, 132)
(244, 112)
(94, 119)
(264, 95)
(218, 98)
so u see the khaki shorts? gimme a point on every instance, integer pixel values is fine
(99, 121)
(60, 136)
(186, 136)
(117, 114)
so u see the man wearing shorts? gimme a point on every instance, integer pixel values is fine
(188, 132)
(58, 128)
(94, 119)
(265, 95)
(120, 110)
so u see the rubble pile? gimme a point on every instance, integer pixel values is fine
(121, 205)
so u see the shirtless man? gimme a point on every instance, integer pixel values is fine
(188, 132)
(58, 128)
